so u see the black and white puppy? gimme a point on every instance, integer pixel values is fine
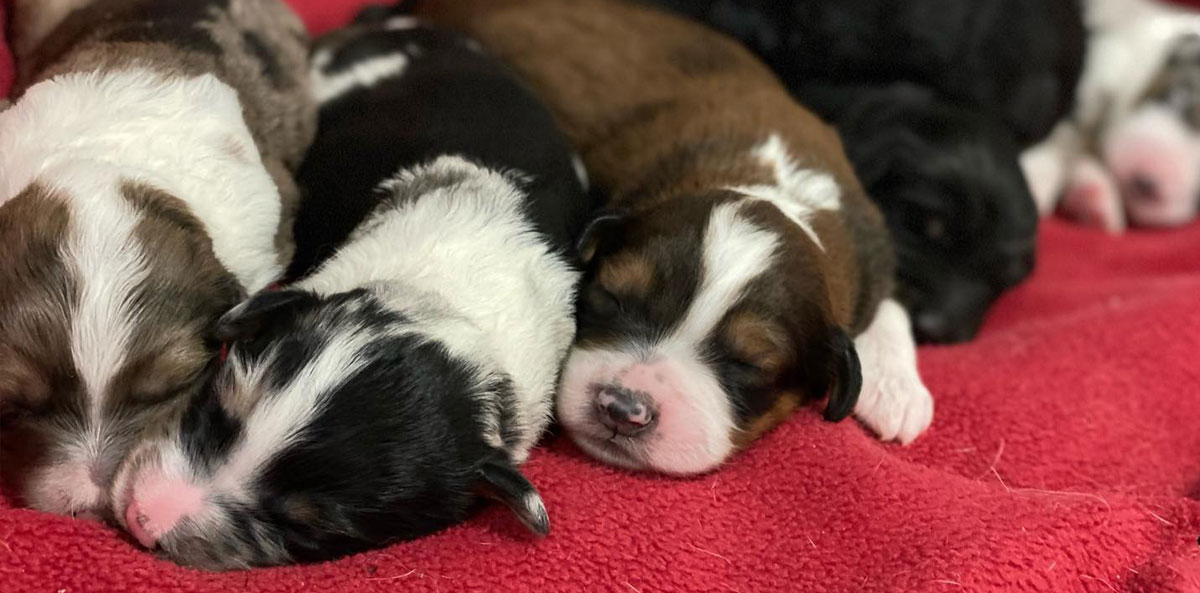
(934, 100)
(378, 398)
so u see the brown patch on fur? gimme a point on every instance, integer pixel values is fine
(758, 342)
(784, 406)
(628, 274)
(301, 510)
(178, 304)
(37, 293)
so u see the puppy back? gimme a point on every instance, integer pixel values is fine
(257, 47)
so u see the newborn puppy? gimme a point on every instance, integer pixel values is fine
(739, 255)
(376, 399)
(1130, 154)
(948, 182)
(138, 203)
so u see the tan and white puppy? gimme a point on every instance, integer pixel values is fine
(1129, 155)
(145, 191)
(739, 258)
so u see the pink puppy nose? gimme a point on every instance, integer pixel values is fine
(626, 412)
(157, 506)
(136, 522)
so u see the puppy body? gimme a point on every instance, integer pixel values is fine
(413, 366)
(1128, 153)
(136, 208)
(746, 252)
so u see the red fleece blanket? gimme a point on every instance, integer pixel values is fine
(1064, 456)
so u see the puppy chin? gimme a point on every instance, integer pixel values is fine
(65, 489)
(693, 423)
(1155, 160)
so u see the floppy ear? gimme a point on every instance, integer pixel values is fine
(604, 224)
(845, 376)
(247, 319)
(500, 481)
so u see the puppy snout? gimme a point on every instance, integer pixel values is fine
(625, 411)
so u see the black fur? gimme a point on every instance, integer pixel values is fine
(451, 99)
(934, 100)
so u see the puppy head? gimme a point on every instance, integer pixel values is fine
(106, 304)
(334, 425)
(702, 323)
(1154, 152)
(950, 185)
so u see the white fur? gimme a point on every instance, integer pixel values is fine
(279, 420)
(465, 264)
(696, 422)
(894, 402)
(172, 133)
(362, 75)
(797, 193)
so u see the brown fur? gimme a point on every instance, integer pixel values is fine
(35, 300)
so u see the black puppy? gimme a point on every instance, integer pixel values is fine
(934, 99)
(413, 367)
(949, 183)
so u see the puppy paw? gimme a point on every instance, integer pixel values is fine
(897, 407)
(894, 402)
(1093, 199)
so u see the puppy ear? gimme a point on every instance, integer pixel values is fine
(603, 226)
(845, 376)
(500, 481)
(249, 318)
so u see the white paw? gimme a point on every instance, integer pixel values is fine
(894, 401)
(897, 407)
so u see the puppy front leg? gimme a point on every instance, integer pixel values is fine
(894, 401)
(1092, 197)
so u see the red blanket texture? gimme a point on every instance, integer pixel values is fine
(1064, 456)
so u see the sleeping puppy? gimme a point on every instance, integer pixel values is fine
(943, 93)
(739, 256)
(380, 396)
(1130, 153)
(948, 182)
(138, 203)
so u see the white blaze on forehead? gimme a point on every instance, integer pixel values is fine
(281, 418)
(735, 252)
(797, 193)
(108, 264)
(328, 86)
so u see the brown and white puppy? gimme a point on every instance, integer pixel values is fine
(741, 254)
(138, 203)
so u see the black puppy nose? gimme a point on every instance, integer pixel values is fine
(624, 411)
(1143, 188)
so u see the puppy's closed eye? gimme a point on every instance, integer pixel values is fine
(756, 344)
